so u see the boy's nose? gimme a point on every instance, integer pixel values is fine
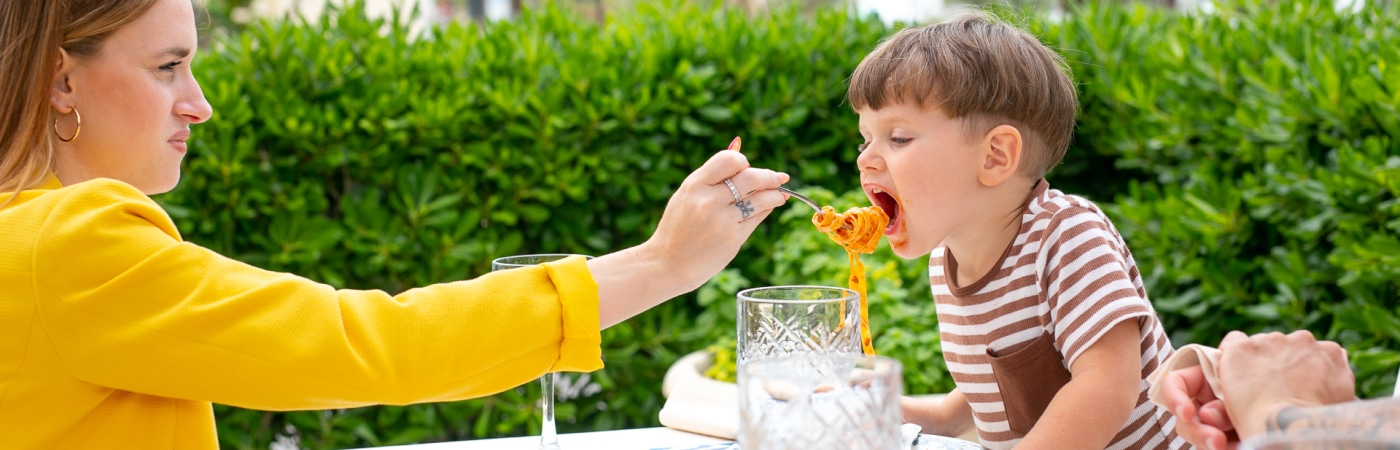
(868, 161)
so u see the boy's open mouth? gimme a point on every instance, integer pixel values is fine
(888, 203)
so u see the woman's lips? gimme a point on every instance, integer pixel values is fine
(180, 141)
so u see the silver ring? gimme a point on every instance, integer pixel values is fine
(733, 190)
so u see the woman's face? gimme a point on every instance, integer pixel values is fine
(137, 98)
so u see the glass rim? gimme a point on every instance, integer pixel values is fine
(508, 260)
(850, 294)
(890, 361)
(779, 367)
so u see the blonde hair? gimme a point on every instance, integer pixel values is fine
(31, 34)
(980, 69)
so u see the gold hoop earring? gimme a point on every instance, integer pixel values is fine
(77, 130)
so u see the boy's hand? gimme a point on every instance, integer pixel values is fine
(917, 410)
(1201, 418)
(949, 416)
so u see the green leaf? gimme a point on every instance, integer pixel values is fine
(715, 113)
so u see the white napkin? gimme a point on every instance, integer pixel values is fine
(908, 433)
(697, 411)
(698, 404)
(1189, 355)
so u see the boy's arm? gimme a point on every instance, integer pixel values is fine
(950, 416)
(1100, 396)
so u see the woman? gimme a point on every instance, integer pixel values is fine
(115, 333)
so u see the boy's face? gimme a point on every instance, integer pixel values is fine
(919, 167)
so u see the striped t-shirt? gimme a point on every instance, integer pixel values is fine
(1064, 281)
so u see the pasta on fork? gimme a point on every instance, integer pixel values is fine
(857, 230)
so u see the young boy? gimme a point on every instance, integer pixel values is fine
(1044, 322)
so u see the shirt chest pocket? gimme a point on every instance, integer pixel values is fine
(1028, 378)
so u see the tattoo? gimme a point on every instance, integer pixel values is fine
(745, 208)
(1375, 420)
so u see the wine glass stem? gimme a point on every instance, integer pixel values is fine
(549, 438)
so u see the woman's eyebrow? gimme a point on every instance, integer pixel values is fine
(178, 52)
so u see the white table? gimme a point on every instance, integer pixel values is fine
(637, 438)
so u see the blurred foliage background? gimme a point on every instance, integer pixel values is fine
(1248, 156)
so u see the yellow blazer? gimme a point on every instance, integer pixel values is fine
(115, 333)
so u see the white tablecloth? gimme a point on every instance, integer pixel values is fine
(637, 438)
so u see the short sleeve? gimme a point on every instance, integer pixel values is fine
(1087, 280)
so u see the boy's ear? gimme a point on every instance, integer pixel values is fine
(1001, 155)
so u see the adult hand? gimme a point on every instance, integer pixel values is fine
(704, 225)
(700, 232)
(1264, 373)
(1201, 418)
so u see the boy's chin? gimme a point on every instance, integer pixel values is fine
(902, 249)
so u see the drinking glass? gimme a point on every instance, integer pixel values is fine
(819, 401)
(785, 320)
(549, 437)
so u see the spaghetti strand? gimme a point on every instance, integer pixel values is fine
(858, 230)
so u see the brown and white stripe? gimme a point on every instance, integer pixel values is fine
(1068, 273)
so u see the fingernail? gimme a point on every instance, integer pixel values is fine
(736, 143)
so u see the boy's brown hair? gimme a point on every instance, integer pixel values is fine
(976, 68)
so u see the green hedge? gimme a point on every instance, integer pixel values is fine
(1248, 157)
(1265, 151)
(347, 152)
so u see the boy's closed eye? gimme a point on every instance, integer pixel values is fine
(896, 141)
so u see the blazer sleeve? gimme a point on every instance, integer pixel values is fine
(128, 305)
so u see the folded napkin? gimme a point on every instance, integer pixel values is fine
(698, 404)
(708, 413)
(1189, 355)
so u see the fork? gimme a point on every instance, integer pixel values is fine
(801, 197)
(809, 202)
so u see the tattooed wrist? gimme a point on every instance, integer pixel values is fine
(1370, 419)
(1286, 417)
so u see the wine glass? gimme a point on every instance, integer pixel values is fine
(549, 437)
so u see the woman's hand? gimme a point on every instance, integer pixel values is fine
(699, 234)
(704, 225)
